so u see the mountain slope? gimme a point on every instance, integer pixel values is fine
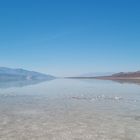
(21, 74)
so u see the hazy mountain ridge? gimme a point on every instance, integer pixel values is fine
(21, 74)
(93, 74)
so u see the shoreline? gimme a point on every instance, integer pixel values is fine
(132, 80)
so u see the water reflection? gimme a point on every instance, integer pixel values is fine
(133, 81)
(122, 81)
(21, 83)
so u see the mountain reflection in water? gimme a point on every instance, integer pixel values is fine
(21, 83)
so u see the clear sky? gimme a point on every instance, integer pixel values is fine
(70, 37)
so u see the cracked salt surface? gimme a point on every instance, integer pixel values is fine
(66, 109)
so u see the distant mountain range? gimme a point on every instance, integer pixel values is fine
(116, 76)
(127, 74)
(9, 74)
(122, 76)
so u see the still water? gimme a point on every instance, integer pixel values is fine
(70, 109)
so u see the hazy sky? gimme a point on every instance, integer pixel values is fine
(70, 37)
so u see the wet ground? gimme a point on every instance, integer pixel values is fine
(68, 109)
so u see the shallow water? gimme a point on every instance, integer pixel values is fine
(70, 109)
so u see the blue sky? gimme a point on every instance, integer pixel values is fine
(70, 37)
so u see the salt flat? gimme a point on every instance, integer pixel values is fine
(71, 109)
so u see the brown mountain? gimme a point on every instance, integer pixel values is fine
(127, 74)
(122, 76)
